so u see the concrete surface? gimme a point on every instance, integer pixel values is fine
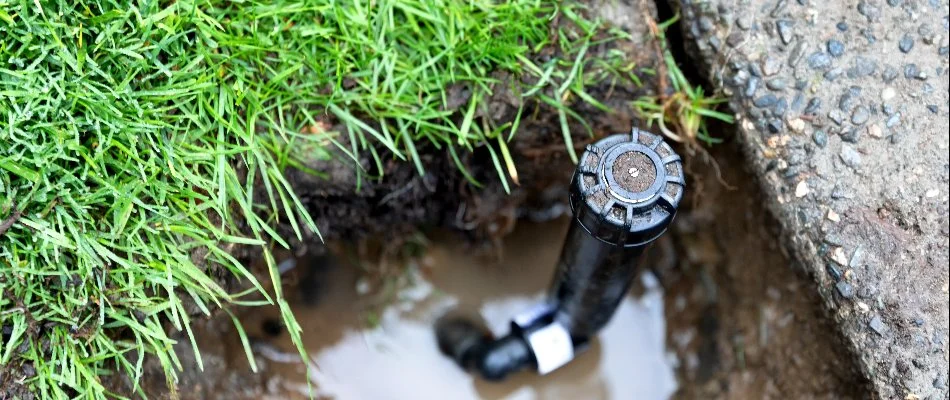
(843, 114)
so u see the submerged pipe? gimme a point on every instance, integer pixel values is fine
(623, 195)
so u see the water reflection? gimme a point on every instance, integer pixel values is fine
(398, 357)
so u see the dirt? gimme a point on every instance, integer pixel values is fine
(744, 323)
(843, 119)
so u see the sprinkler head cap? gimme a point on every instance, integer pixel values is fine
(627, 187)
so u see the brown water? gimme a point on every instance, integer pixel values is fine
(389, 352)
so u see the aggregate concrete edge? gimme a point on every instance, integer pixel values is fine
(842, 111)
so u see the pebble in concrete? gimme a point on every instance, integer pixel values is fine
(850, 156)
(906, 44)
(877, 325)
(835, 47)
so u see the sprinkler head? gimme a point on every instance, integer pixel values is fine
(626, 188)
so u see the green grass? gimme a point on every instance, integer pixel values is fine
(683, 115)
(133, 136)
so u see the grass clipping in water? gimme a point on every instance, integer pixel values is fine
(132, 137)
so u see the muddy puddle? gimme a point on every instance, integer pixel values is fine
(362, 350)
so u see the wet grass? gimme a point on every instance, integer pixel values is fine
(132, 139)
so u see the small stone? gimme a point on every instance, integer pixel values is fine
(931, 193)
(751, 86)
(850, 135)
(875, 131)
(850, 156)
(744, 22)
(869, 11)
(801, 190)
(877, 325)
(888, 93)
(785, 30)
(833, 271)
(842, 26)
(735, 39)
(837, 116)
(801, 84)
(775, 125)
(820, 138)
(833, 74)
(847, 101)
(798, 102)
(797, 53)
(819, 61)
(741, 77)
(835, 48)
(779, 7)
(890, 73)
(906, 43)
(797, 125)
(888, 109)
(940, 383)
(780, 107)
(893, 3)
(771, 66)
(776, 84)
(838, 256)
(814, 105)
(864, 307)
(944, 50)
(863, 66)
(933, 108)
(706, 24)
(911, 71)
(766, 100)
(869, 35)
(860, 115)
(833, 216)
(893, 120)
(755, 70)
(845, 289)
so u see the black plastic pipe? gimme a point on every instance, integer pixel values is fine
(623, 195)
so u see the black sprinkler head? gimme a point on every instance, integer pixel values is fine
(624, 195)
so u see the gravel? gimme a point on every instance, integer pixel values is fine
(911, 71)
(888, 93)
(785, 30)
(850, 156)
(744, 22)
(837, 116)
(877, 325)
(850, 135)
(777, 84)
(893, 120)
(860, 115)
(906, 44)
(751, 87)
(842, 26)
(771, 66)
(863, 66)
(819, 61)
(835, 48)
(814, 105)
(767, 100)
(845, 289)
(890, 73)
